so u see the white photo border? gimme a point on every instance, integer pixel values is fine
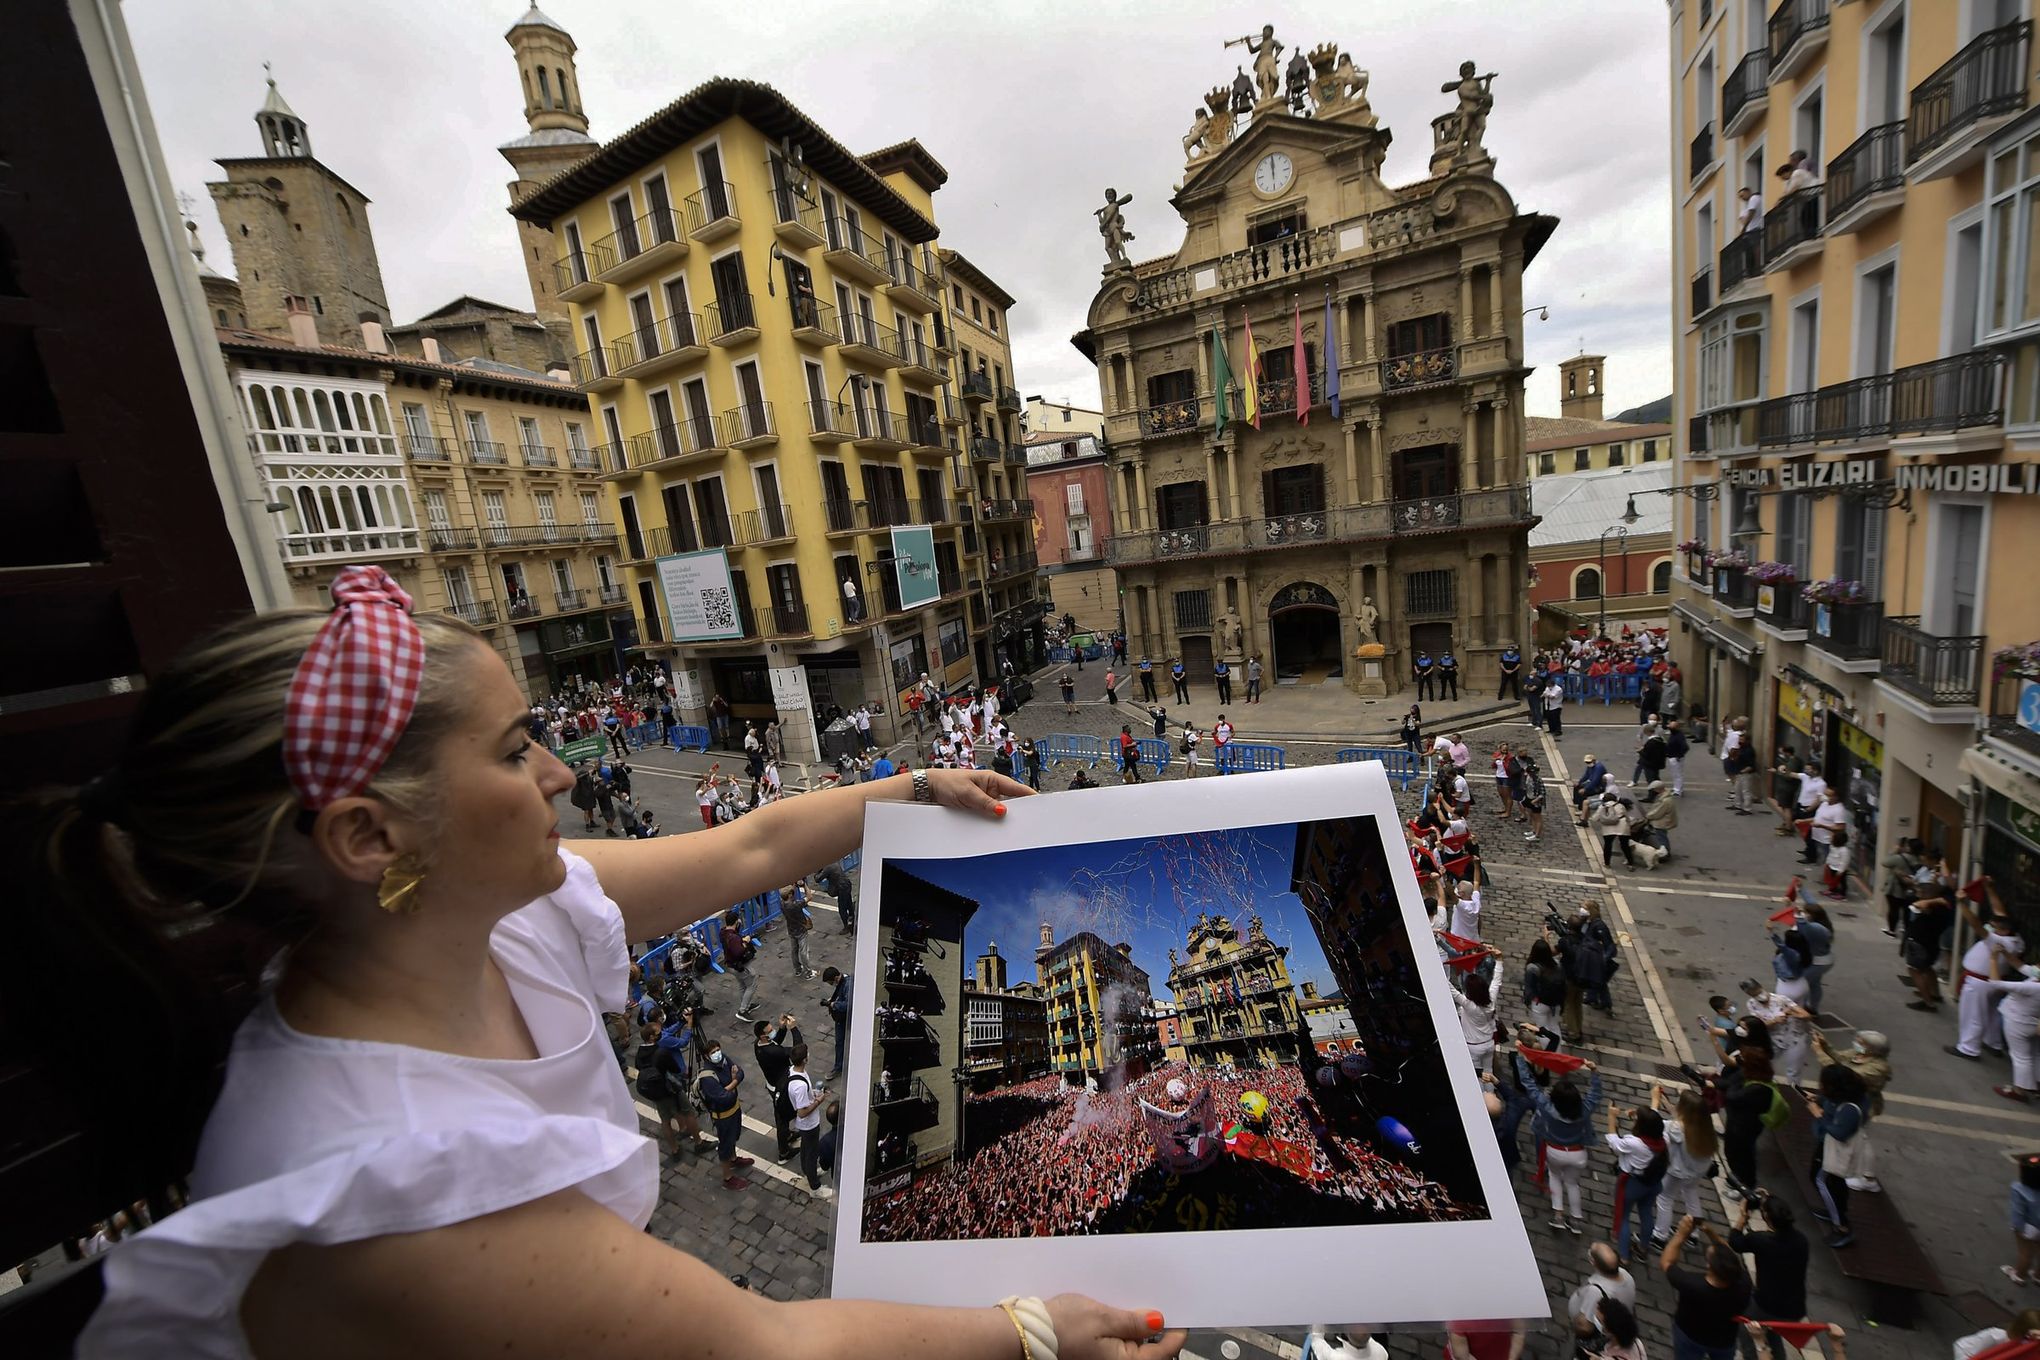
(1272, 1277)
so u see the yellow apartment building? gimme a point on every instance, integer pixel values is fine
(759, 318)
(1856, 412)
(1099, 1008)
(474, 484)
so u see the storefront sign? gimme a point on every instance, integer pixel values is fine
(1809, 476)
(2004, 479)
(1860, 744)
(1795, 706)
(914, 561)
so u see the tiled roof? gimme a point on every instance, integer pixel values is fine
(473, 370)
(911, 157)
(1577, 507)
(975, 277)
(1541, 433)
(694, 113)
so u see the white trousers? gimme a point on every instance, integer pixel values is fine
(2021, 1042)
(1981, 1027)
(1789, 1057)
(1677, 1188)
(1562, 1171)
(1481, 1053)
(1676, 767)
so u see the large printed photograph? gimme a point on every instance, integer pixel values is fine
(1211, 1030)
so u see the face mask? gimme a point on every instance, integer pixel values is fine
(715, 1055)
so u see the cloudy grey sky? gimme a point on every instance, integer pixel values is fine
(1033, 105)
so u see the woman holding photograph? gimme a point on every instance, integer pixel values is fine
(338, 814)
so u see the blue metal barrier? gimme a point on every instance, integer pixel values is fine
(1405, 767)
(1237, 757)
(1575, 686)
(1057, 747)
(1155, 752)
(686, 737)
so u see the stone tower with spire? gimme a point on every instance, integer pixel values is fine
(222, 294)
(556, 138)
(300, 235)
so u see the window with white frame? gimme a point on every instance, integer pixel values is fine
(577, 444)
(591, 507)
(548, 515)
(417, 424)
(436, 513)
(563, 576)
(2011, 232)
(527, 435)
(497, 514)
(605, 573)
(460, 592)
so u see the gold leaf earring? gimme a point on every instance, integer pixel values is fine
(399, 887)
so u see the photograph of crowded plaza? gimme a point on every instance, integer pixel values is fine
(1216, 1030)
(687, 670)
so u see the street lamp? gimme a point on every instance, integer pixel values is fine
(1621, 531)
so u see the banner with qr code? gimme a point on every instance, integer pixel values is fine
(913, 561)
(700, 602)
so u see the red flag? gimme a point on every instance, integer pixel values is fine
(2012, 1348)
(1299, 367)
(1798, 1333)
(1779, 917)
(1465, 963)
(1974, 891)
(1560, 1063)
(1459, 942)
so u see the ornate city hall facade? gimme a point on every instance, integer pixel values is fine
(1362, 498)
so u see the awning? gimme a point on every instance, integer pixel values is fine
(1743, 649)
(2000, 775)
(1691, 615)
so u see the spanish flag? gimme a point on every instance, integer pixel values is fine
(1250, 405)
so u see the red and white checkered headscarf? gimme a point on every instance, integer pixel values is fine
(354, 691)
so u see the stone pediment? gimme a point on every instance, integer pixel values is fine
(1214, 178)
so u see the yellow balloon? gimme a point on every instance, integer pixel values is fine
(1255, 1104)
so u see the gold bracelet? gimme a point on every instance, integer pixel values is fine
(1026, 1347)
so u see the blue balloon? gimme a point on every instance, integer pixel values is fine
(1394, 1132)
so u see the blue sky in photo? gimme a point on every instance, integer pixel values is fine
(1146, 891)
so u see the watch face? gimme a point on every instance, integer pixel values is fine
(1273, 173)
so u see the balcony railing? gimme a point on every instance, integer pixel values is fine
(1746, 82)
(712, 210)
(578, 271)
(1741, 259)
(1171, 417)
(851, 248)
(754, 420)
(660, 227)
(487, 451)
(1987, 78)
(1420, 369)
(611, 595)
(544, 535)
(813, 319)
(425, 448)
(1962, 391)
(1734, 588)
(1847, 632)
(567, 600)
(582, 457)
(1702, 152)
(591, 366)
(441, 538)
(843, 517)
(920, 354)
(786, 619)
(1703, 291)
(977, 387)
(521, 605)
(1341, 524)
(1792, 21)
(677, 440)
(1013, 564)
(1873, 163)
(2006, 691)
(911, 1091)
(1791, 222)
(1009, 399)
(479, 613)
(861, 333)
(1267, 262)
(538, 455)
(1788, 606)
(765, 525)
(729, 316)
(1278, 395)
(612, 457)
(1945, 671)
(667, 335)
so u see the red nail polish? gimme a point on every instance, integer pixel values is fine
(999, 809)
(1154, 1320)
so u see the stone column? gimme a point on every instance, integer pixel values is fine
(1466, 302)
(1469, 441)
(1140, 486)
(1367, 322)
(1352, 463)
(1211, 482)
(1377, 458)
(1343, 355)
(1494, 293)
(1232, 481)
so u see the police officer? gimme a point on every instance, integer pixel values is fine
(1425, 668)
(1512, 662)
(1222, 673)
(1448, 677)
(1182, 681)
(1147, 680)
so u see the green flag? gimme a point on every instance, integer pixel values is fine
(1221, 378)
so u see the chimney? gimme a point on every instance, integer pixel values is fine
(1310, 991)
(559, 372)
(430, 344)
(304, 330)
(372, 338)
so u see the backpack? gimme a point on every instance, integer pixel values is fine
(1778, 1113)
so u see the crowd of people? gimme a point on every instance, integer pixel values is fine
(1055, 1160)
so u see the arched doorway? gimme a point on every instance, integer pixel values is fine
(1303, 629)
